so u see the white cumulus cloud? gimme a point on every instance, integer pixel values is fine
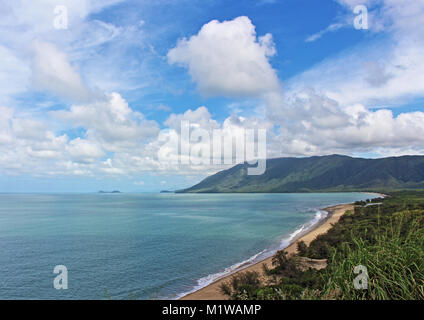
(228, 59)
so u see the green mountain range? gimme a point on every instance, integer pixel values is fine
(319, 174)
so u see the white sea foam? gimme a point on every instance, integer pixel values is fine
(319, 216)
(284, 243)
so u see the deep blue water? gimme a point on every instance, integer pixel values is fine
(143, 246)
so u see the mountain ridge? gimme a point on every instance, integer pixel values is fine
(332, 173)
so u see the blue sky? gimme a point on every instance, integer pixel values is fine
(89, 105)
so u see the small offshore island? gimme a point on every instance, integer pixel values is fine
(115, 191)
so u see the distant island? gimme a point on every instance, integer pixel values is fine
(115, 191)
(167, 191)
(334, 173)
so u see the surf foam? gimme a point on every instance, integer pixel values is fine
(264, 254)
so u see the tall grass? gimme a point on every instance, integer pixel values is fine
(395, 263)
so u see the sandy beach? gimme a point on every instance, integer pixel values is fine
(379, 195)
(213, 292)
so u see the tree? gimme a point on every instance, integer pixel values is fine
(302, 248)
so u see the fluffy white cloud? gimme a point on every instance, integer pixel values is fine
(27, 146)
(228, 59)
(200, 116)
(84, 151)
(318, 125)
(29, 129)
(205, 145)
(110, 122)
(114, 139)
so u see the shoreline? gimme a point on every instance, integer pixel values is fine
(380, 195)
(212, 291)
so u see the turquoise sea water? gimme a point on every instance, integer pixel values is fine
(143, 246)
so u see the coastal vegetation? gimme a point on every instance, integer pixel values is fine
(384, 238)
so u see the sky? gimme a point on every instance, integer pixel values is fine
(93, 92)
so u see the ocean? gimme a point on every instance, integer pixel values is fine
(143, 246)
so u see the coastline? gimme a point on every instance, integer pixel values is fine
(379, 195)
(213, 292)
